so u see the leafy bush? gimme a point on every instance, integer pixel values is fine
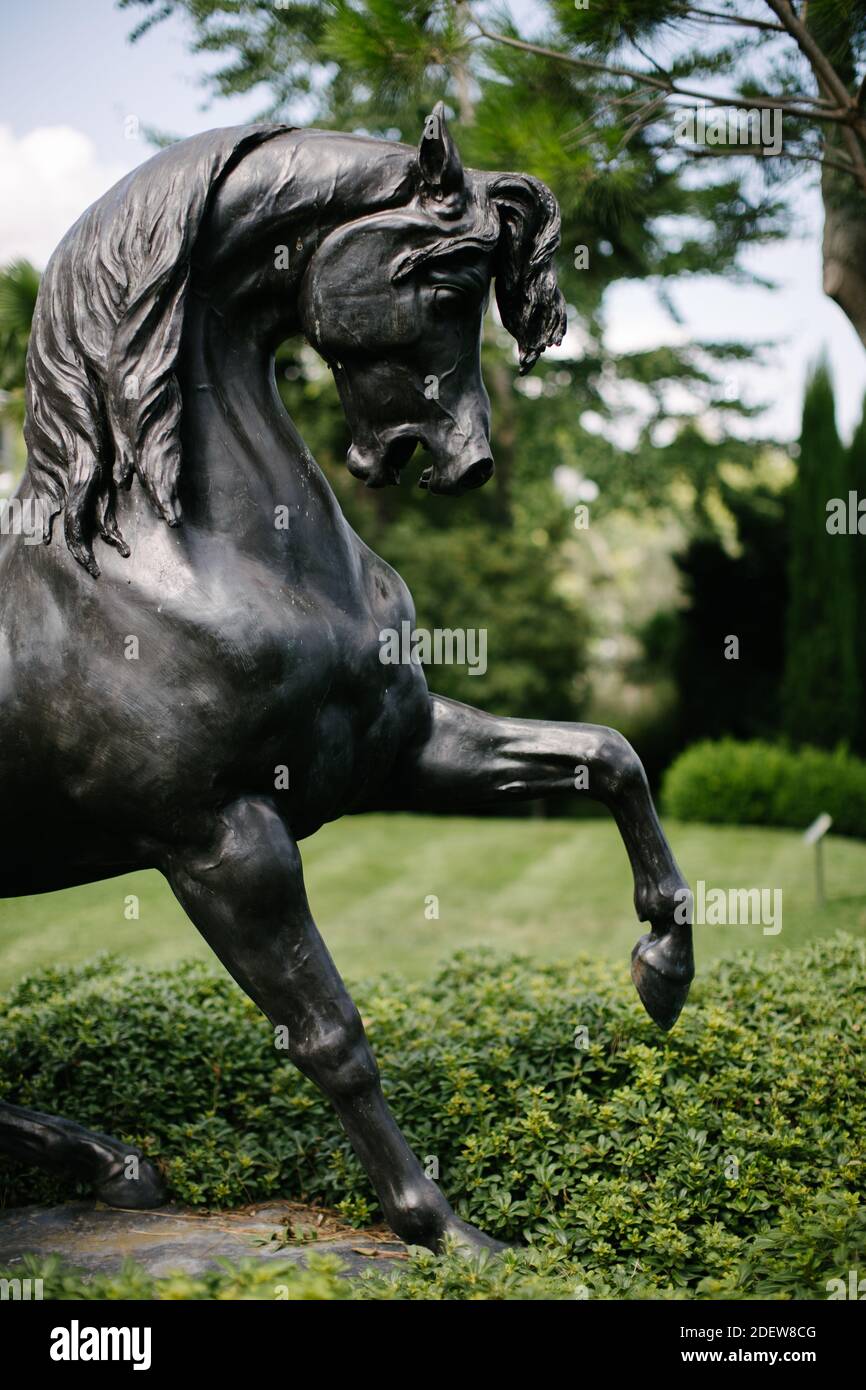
(724, 1159)
(518, 1275)
(766, 784)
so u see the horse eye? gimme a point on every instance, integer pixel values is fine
(445, 295)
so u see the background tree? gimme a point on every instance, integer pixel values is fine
(806, 61)
(742, 594)
(19, 286)
(732, 584)
(821, 695)
(856, 482)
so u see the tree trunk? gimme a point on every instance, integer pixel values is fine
(462, 74)
(844, 247)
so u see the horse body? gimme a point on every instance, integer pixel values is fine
(237, 670)
(256, 645)
(209, 691)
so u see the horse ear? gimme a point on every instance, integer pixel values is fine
(438, 159)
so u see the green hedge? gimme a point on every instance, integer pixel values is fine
(613, 1162)
(731, 783)
(523, 1275)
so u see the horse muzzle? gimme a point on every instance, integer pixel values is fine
(380, 465)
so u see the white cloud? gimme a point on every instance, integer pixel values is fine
(47, 178)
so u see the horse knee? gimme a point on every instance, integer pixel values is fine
(621, 769)
(247, 854)
(337, 1056)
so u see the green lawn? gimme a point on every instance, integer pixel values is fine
(550, 888)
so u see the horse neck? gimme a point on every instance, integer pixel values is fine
(243, 456)
(245, 460)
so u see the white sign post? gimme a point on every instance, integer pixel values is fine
(815, 836)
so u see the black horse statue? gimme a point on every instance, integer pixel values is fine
(227, 624)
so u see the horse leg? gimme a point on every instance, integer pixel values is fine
(244, 890)
(468, 758)
(119, 1173)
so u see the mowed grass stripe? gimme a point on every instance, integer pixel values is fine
(551, 888)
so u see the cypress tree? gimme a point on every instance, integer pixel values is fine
(857, 484)
(820, 696)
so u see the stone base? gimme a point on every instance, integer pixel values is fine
(97, 1239)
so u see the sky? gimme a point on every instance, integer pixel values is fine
(75, 95)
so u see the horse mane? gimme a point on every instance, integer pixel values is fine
(529, 299)
(103, 400)
(102, 396)
(519, 216)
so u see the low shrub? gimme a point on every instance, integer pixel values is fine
(731, 783)
(722, 1160)
(524, 1275)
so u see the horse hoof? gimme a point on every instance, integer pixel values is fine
(463, 1239)
(662, 969)
(144, 1190)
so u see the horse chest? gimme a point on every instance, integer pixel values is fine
(320, 711)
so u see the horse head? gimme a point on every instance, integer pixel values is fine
(394, 303)
(393, 252)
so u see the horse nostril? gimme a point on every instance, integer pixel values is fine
(477, 474)
(359, 464)
(374, 471)
(454, 480)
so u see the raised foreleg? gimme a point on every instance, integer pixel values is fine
(467, 758)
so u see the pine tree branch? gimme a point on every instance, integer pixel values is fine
(717, 16)
(591, 122)
(757, 151)
(817, 59)
(835, 105)
(642, 118)
(852, 122)
(816, 108)
(611, 69)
